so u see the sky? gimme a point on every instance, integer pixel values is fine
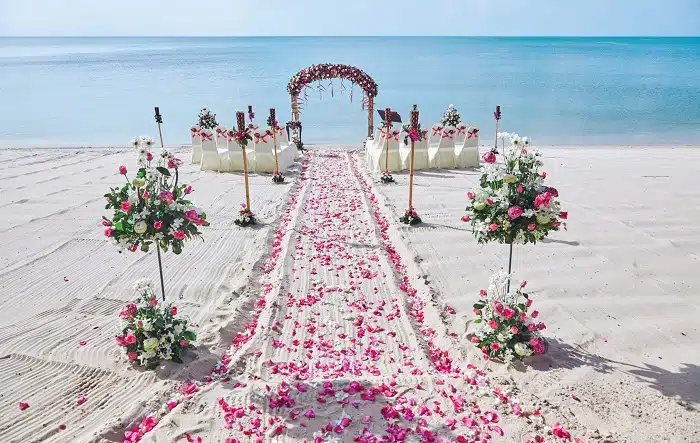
(351, 17)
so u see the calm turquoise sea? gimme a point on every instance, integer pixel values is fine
(555, 90)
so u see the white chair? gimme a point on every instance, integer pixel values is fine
(467, 155)
(221, 139)
(461, 134)
(211, 159)
(442, 155)
(435, 134)
(373, 147)
(196, 144)
(379, 157)
(235, 153)
(420, 155)
(264, 156)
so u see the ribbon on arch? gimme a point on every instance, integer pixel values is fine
(473, 133)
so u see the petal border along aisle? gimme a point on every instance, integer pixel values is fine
(453, 384)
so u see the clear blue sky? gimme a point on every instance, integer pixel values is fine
(349, 17)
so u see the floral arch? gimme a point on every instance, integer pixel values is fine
(315, 73)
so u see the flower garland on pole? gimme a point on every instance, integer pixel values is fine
(272, 123)
(410, 216)
(511, 204)
(242, 137)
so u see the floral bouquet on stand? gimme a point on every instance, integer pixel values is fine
(410, 217)
(207, 119)
(150, 332)
(505, 328)
(277, 177)
(245, 217)
(450, 117)
(511, 203)
(418, 135)
(153, 207)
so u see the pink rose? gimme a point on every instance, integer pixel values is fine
(133, 247)
(179, 235)
(475, 340)
(126, 206)
(493, 324)
(495, 346)
(532, 226)
(564, 215)
(130, 338)
(531, 327)
(515, 212)
(514, 329)
(131, 355)
(149, 156)
(477, 311)
(556, 224)
(542, 199)
(465, 218)
(528, 303)
(122, 170)
(489, 201)
(158, 224)
(498, 307)
(535, 314)
(508, 313)
(183, 343)
(489, 157)
(523, 284)
(543, 174)
(541, 326)
(470, 196)
(146, 194)
(108, 232)
(519, 189)
(188, 189)
(414, 214)
(153, 302)
(173, 310)
(482, 293)
(493, 227)
(106, 223)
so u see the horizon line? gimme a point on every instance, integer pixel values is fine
(350, 36)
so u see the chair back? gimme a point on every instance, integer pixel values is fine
(435, 133)
(208, 143)
(194, 134)
(221, 138)
(461, 134)
(472, 139)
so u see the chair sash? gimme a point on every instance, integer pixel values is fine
(437, 130)
(461, 129)
(448, 133)
(206, 136)
(473, 133)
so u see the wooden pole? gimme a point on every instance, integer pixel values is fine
(240, 119)
(387, 123)
(274, 137)
(370, 116)
(414, 127)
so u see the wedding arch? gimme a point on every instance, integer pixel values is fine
(303, 79)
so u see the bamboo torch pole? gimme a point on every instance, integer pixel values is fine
(387, 125)
(414, 127)
(273, 123)
(240, 121)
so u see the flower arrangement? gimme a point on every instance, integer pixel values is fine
(150, 332)
(410, 217)
(207, 119)
(413, 135)
(387, 177)
(153, 207)
(245, 217)
(277, 177)
(328, 70)
(511, 204)
(450, 117)
(241, 137)
(271, 122)
(505, 329)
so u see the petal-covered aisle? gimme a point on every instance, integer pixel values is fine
(339, 349)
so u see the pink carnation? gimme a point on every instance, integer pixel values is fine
(126, 206)
(493, 227)
(489, 157)
(179, 235)
(515, 212)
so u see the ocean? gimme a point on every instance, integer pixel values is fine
(72, 91)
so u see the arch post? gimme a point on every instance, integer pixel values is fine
(370, 116)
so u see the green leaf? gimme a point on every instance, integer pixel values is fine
(478, 306)
(189, 336)
(478, 320)
(163, 171)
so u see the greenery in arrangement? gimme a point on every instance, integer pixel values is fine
(207, 119)
(505, 328)
(450, 117)
(410, 217)
(413, 135)
(151, 331)
(511, 204)
(153, 207)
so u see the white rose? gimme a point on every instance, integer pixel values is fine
(140, 227)
(150, 344)
(522, 349)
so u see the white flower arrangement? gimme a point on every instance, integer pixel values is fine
(150, 332)
(245, 217)
(505, 329)
(450, 117)
(207, 119)
(511, 204)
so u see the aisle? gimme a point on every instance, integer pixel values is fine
(340, 356)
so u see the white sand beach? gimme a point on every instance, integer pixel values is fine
(617, 291)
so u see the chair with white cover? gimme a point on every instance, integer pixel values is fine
(435, 134)
(420, 154)
(235, 152)
(379, 154)
(442, 155)
(467, 155)
(286, 152)
(211, 159)
(461, 134)
(264, 156)
(221, 139)
(196, 144)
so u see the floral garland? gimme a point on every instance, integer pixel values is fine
(207, 119)
(511, 204)
(328, 70)
(150, 332)
(450, 117)
(153, 207)
(505, 329)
